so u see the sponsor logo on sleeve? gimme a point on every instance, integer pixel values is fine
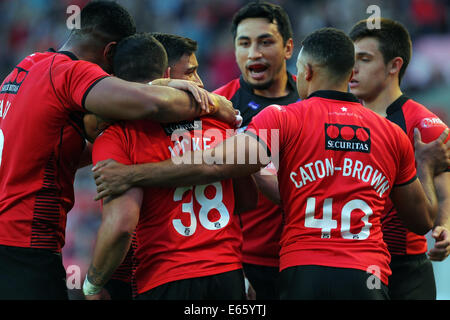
(431, 122)
(15, 80)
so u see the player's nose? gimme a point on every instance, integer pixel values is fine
(254, 52)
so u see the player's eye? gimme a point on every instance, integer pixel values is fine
(266, 42)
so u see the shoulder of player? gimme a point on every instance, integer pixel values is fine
(229, 89)
(122, 127)
(420, 116)
(209, 122)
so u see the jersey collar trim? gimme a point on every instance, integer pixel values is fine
(334, 95)
(397, 104)
(71, 55)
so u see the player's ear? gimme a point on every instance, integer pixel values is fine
(308, 72)
(109, 50)
(395, 65)
(289, 49)
(167, 73)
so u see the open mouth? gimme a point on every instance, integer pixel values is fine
(353, 83)
(257, 71)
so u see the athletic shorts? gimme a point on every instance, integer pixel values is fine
(119, 290)
(329, 283)
(412, 278)
(31, 274)
(264, 280)
(223, 286)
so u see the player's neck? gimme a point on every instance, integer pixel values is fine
(279, 87)
(321, 83)
(384, 99)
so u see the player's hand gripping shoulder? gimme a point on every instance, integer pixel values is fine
(200, 95)
(215, 105)
(435, 154)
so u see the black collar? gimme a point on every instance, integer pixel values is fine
(397, 104)
(71, 55)
(334, 95)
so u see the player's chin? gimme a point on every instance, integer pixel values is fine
(357, 91)
(260, 84)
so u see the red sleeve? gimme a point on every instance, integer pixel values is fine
(266, 126)
(228, 90)
(113, 143)
(72, 81)
(406, 165)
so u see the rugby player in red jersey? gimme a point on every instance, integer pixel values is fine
(188, 238)
(338, 163)
(382, 56)
(263, 43)
(41, 103)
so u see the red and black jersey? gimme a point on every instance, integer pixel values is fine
(408, 114)
(338, 162)
(41, 103)
(261, 243)
(184, 232)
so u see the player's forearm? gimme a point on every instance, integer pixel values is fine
(116, 99)
(442, 185)
(268, 184)
(110, 250)
(425, 175)
(119, 220)
(199, 167)
(168, 174)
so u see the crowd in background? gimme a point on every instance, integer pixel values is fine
(27, 26)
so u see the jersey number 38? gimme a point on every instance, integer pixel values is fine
(206, 206)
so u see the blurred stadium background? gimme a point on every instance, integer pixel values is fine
(35, 25)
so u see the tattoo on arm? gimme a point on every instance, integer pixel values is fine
(95, 276)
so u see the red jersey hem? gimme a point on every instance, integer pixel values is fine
(291, 260)
(182, 276)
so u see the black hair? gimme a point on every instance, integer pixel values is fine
(333, 49)
(393, 39)
(140, 58)
(176, 46)
(106, 19)
(260, 9)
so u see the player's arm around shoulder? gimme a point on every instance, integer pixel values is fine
(116, 99)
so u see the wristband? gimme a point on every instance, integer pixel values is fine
(90, 289)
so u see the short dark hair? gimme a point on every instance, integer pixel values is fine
(106, 19)
(176, 46)
(260, 9)
(140, 58)
(333, 49)
(393, 38)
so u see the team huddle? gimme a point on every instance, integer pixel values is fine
(319, 185)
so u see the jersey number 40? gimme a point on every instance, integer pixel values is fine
(327, 223)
